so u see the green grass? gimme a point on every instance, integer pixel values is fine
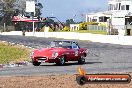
(10, 53)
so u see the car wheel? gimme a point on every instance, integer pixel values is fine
(81, 60)
(35, 63)
(61, 61)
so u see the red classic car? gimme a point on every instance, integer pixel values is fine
(59, 52)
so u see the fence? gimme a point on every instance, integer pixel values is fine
(7, 28)
(96, 27)
(114, 39)
(110, 31)
(123, 29)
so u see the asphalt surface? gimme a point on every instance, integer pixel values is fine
(102, 58)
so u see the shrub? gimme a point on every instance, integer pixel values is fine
(102, 24)
(83, 26)
(66, 28)
(50, 30)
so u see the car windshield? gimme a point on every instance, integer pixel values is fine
(64, 44)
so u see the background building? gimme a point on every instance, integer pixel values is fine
(118, 16)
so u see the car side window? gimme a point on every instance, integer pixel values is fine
(75, 46)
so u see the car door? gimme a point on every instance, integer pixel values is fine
(69, 52)
(76, 50)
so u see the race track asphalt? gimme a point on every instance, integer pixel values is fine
(102, 58)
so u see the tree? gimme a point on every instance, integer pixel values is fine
(66, 28)
(38, 8)
(69, 21)
(20, 6)
(9, 7)
(83, 26)
(15, 7)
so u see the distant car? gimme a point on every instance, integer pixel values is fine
(59, 52)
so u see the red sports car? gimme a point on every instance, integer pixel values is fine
(59, 52)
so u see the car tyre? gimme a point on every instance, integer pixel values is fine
(61, 61)
(35, 63)
(81, 60)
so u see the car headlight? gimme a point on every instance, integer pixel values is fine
(54, 54)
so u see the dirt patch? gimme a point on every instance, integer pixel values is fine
(52, 81)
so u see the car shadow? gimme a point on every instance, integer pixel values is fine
(71, 64)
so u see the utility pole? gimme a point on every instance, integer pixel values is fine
(32, 13)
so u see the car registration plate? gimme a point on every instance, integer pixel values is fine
(41, 61)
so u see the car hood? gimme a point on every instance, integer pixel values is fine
(46, 52)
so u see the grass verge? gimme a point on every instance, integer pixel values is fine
(9, 53)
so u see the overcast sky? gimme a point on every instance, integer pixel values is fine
(67, 9)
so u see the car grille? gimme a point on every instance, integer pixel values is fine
(42, 58)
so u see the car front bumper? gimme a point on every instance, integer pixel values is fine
(46, 60)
